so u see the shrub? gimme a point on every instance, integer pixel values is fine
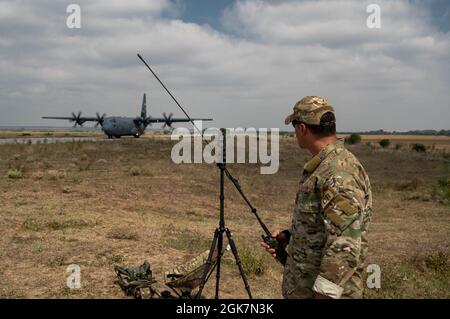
(419, 148)
(115, 259)
(38, 175)
(46, 165)
(15, 173)
(384, 143)
(54, 174)
(398, 146)
(135, 171)
(71, 223)
(85, 165)
(438, 262)
(409, 185)
(353, 139)
(123, 234)
(443, 189)
(32, 224)
(253, 263)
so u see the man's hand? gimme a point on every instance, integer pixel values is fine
(269, 249)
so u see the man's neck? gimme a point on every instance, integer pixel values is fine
(320, 144)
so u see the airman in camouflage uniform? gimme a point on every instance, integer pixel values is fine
(333, 207)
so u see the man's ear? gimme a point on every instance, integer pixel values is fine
(303, 129)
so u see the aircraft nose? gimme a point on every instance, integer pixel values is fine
(106, 127)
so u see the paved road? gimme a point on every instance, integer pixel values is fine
(35, 140)
(50, 139)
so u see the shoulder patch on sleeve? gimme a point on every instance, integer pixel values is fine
(334, 216)
(345, 205)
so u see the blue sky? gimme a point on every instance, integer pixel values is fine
(441, 14)
(210, 11)
(204, 11)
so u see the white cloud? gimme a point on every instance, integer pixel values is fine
(270, 55)
(120, 7)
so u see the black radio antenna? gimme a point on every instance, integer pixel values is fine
(281, 252)
(168, 92)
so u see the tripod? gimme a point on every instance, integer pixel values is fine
(217, 240)
(218, 234)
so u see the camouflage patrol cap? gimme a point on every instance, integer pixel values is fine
(309, 110)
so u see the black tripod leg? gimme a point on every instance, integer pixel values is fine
(219, 259)
(208, 263)
(238, 262)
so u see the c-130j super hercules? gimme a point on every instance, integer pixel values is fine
(117, 126)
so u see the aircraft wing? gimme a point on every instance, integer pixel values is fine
(78, 119)
(173, 120)
(84, 119)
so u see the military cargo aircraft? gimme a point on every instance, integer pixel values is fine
(117, 126)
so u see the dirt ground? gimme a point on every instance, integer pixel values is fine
(99, 204)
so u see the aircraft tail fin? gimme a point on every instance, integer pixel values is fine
(144, 107)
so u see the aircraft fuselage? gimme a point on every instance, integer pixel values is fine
(117, 126)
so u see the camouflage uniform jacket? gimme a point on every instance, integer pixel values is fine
(328, 243)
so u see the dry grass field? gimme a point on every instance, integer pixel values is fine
(405, 141)
(98, 204)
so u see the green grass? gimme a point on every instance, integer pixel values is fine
(115, 259)
(135, 171)
(420, 277)
(15, 173)
(37, 225)
(71, 223)
(184, 239)
(32, 224)
(253, 261)
(123, 234)
(443, 189)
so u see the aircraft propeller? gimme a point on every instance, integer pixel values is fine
(167, 120)
(100, 119)
(77, 119)
(142, 121)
